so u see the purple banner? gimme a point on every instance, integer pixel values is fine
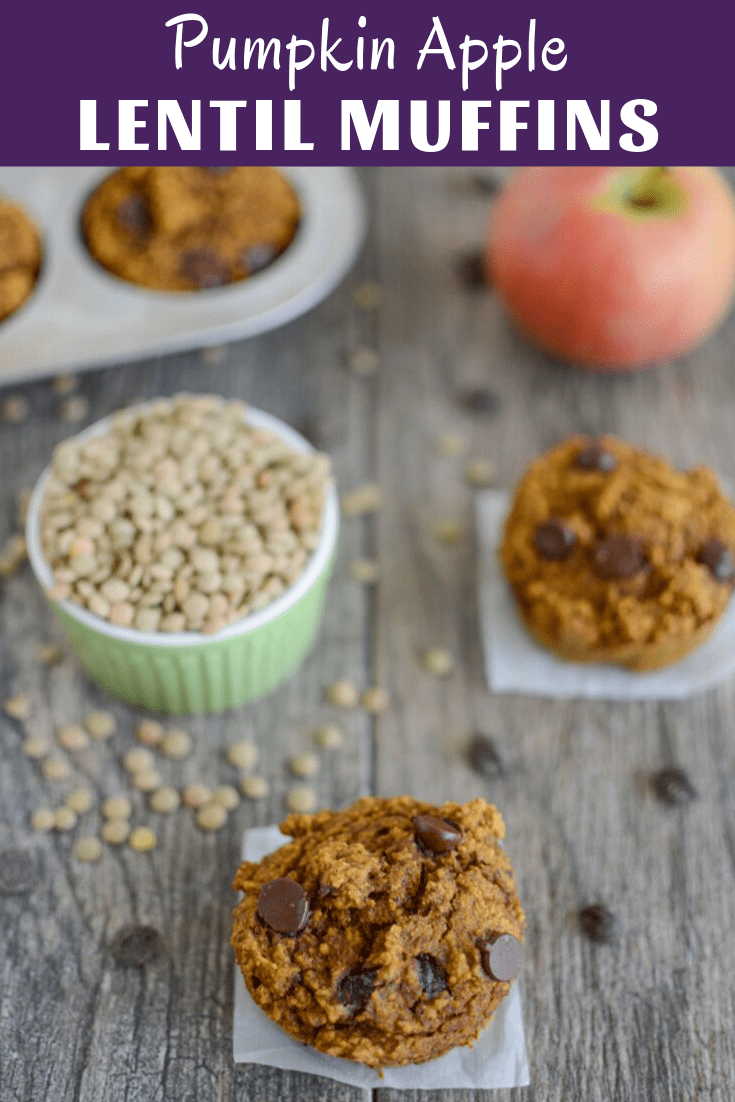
(209, 81)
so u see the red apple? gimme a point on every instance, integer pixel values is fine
(614, 268)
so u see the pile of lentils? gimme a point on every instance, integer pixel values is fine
(181, 516)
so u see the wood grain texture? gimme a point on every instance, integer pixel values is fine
(650, 1018)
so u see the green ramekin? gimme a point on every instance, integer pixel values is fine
(189, 673)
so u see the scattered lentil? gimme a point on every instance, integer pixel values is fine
(363, 499)
(227, 796)
(62, 385)
(364, 361)
(14, 409)
(48, 654)
(117, 807)
(365, 571)
(304, 765)
(215, 354)
(138, 759)
(301, 799)
(255, 788)
(449, 530)
(80, 800)
(150, 732)
(17, 707)
(13, 555)
(375, 700)
(72, 737)
(165, 800)
(342, 694)
(36, 746)
(142, 840)
(438, 661)
(196, 795)
(65, 818)
(55, 768)
(147, 780)
(329, 737)
(100, 724)
(43, 819)
(450, 445)
(367, 295)
(116, 831)
(243, 755)
(88, 849)
(176, 744)
(480, 472)
(74, 409)
(212, 816)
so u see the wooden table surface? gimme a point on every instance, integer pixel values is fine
(651, 1017)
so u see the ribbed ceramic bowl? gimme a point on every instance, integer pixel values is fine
(188, 673)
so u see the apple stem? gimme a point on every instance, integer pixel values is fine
(645, 194)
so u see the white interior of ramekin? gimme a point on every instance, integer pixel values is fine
(254, 620)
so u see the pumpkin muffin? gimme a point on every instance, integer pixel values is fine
(189, 229)
(20, 257)
(615, 556)
(387, 933)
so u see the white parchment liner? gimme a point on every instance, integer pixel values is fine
(497, 1059)
(515, 663)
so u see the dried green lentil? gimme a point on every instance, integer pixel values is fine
(43, 819)
(176, 744)
(116, 831)
(80, 800)
(165, 800)
(142, 840)
(301, 799)
(87, 849)
(117, 807)
(212, 816)
(100, 724)
(243, 754)
(329, 737)
(255, 788)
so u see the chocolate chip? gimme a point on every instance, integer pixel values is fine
(432, 977)
(501, 957)
(356, 987)
(672, 786)
(134, 217)
(283, 905)
(437, 835)
(718, 558)
(594, 457)
(554, 540)
(137, 946)
(205, 268)
(599, 923)
(619, 557)
(258, 256)
(484, 758)
(479, 400)
(18, 871)
(472, 271)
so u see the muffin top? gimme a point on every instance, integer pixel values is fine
(607, 545)
(387, 933)
(20, 257)
(190, 228)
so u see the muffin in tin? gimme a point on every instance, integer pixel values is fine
(20, 257)
(190, 228)
(387, 933)
(615, 556)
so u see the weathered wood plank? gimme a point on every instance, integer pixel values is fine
(651, 1017)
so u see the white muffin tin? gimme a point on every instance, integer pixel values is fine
(80, 316)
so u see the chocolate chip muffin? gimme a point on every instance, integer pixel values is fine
(615, 556)
(188, 229)
(20, 257)
(387, 933)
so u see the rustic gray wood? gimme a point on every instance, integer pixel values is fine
(650, 1018)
